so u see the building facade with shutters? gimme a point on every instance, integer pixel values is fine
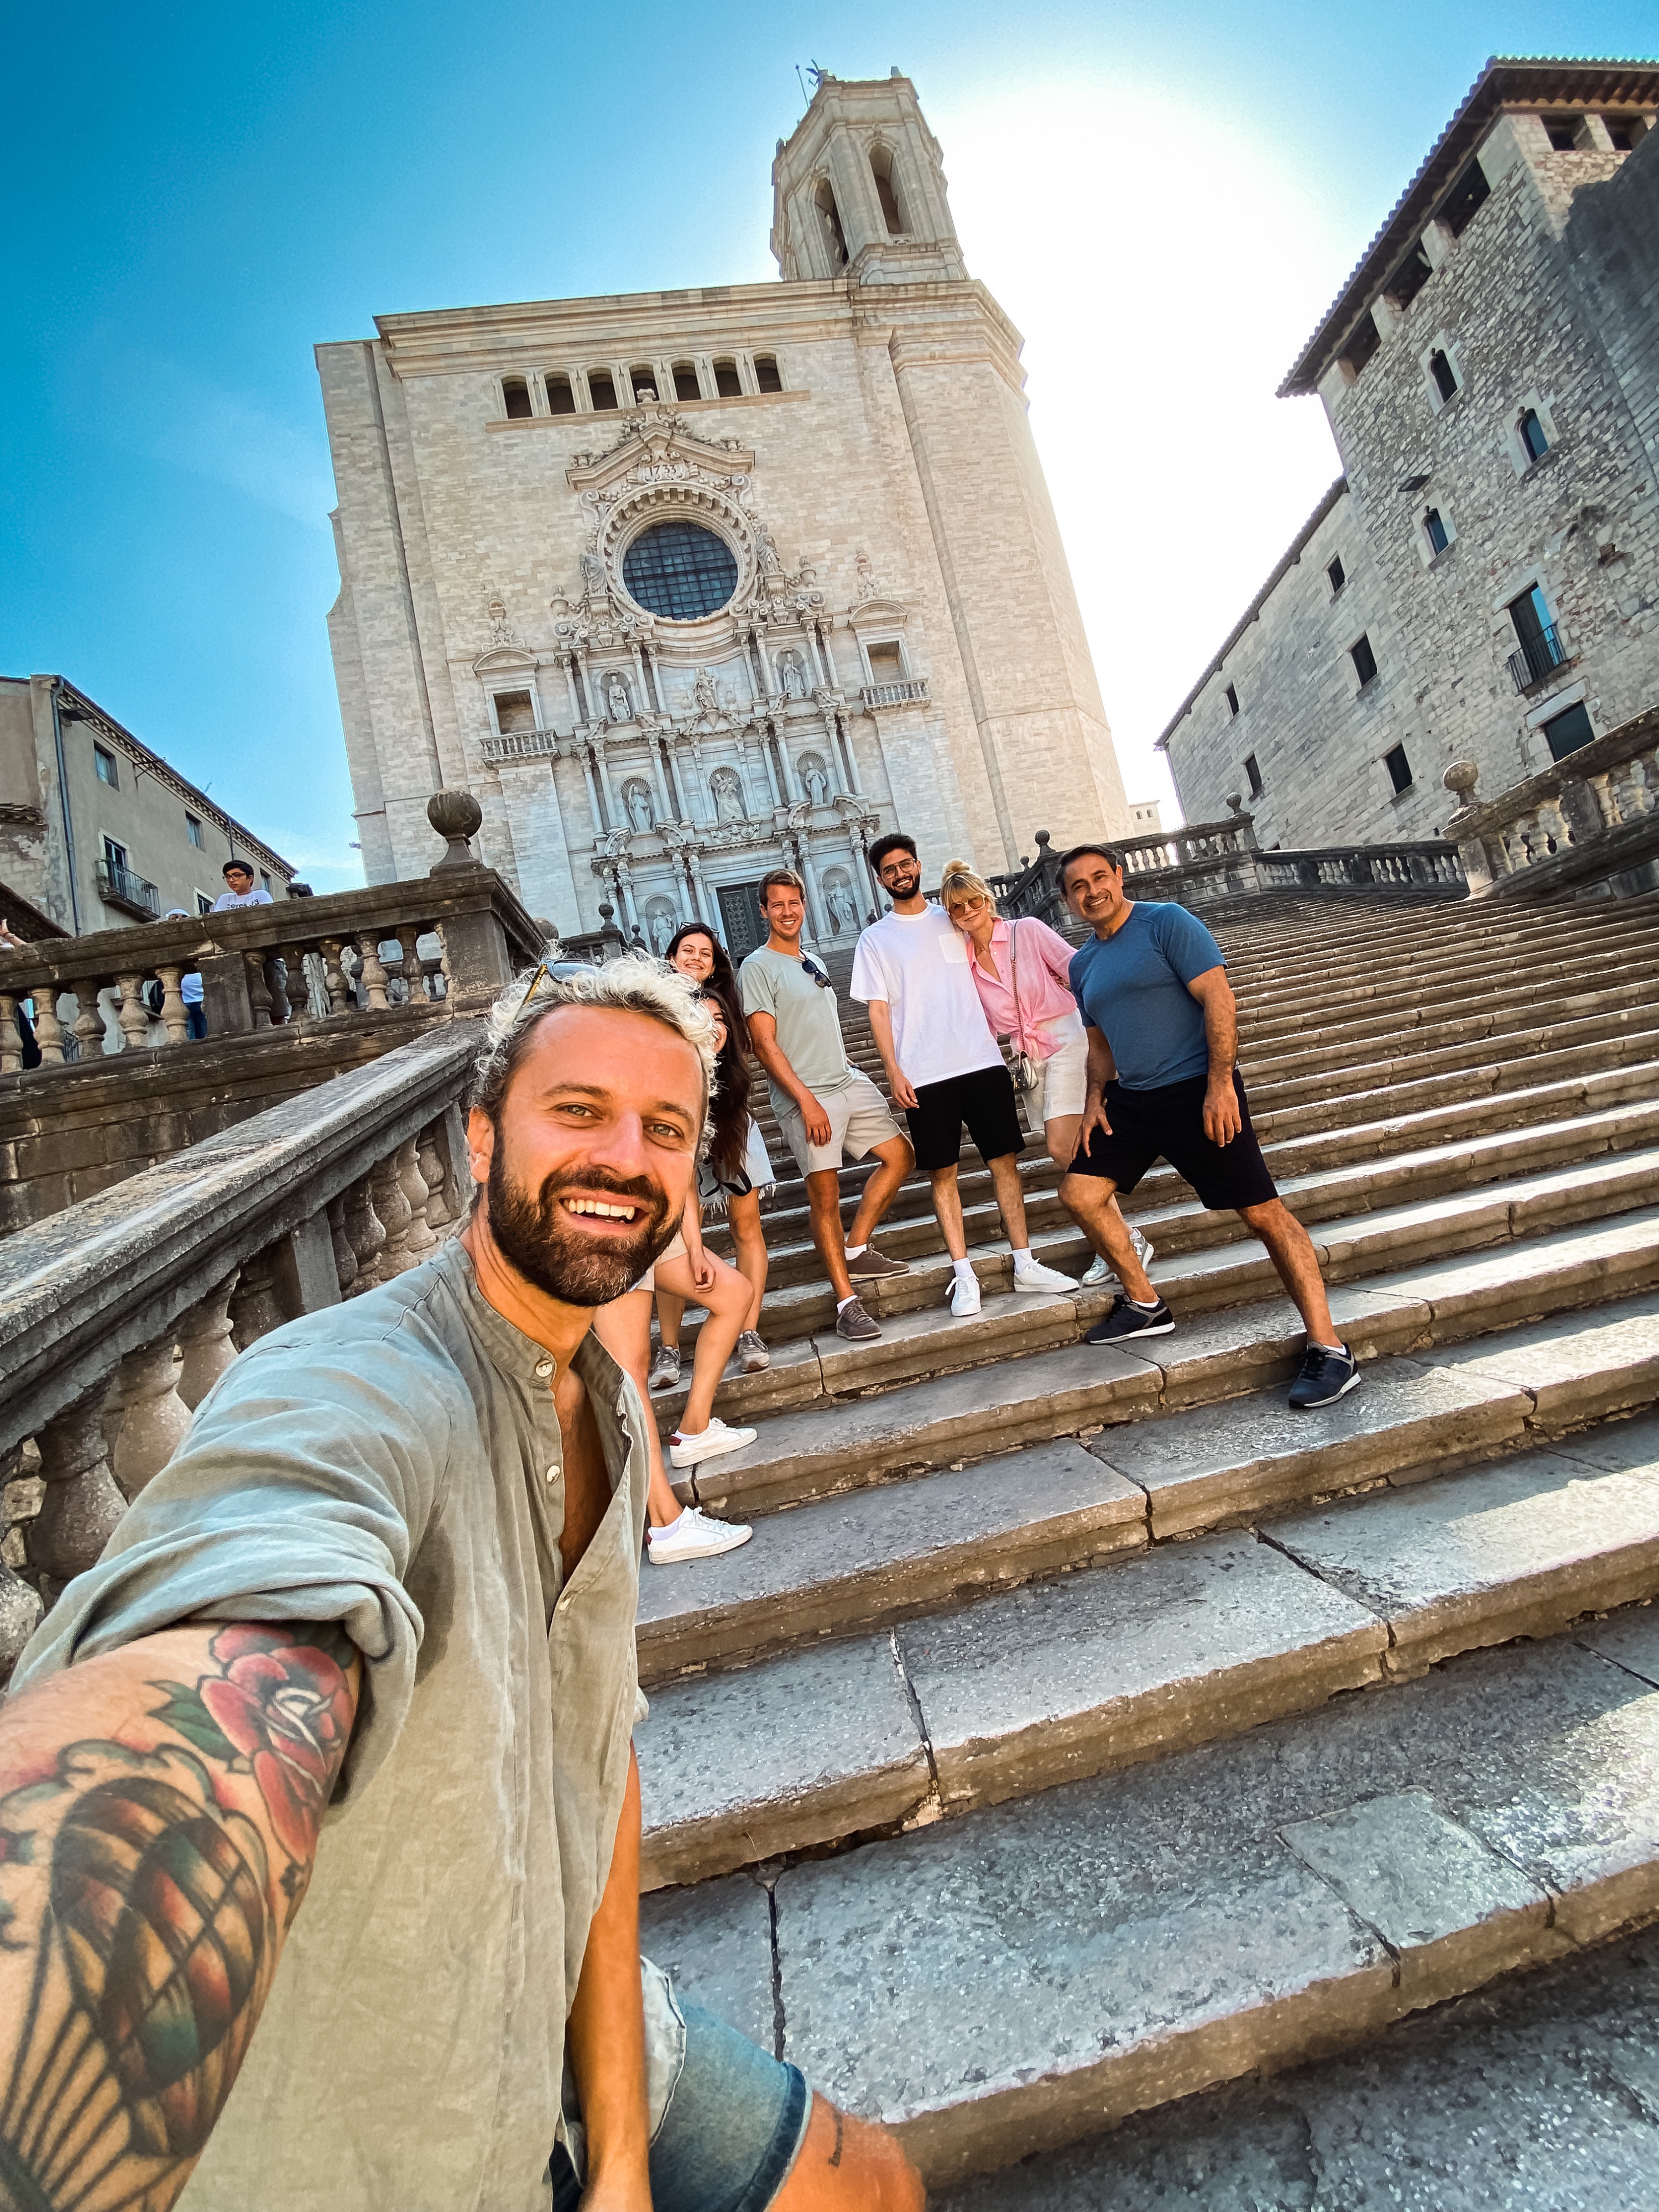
(96, 830)
(1482, 582)
(682, 586)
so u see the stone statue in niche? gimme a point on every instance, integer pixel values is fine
(661, 923)
(618, 704)
(792, 669)
(593, 577)
(636, 797)
(727, 793)
(843, 910)
(814, 781)
(707, 693)
(766, 553)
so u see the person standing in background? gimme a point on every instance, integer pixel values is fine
(911, 970)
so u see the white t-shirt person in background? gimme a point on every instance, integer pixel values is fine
(241, 890)
(944, 1066)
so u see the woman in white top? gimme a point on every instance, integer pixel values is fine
(1022, 971)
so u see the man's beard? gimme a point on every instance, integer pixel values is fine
(907, 886)
(537, 1235)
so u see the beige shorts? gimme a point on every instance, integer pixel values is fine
(1065, 1085)
(859, 1120)
(676, 1251)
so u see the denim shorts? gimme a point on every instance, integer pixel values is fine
(730, 2132)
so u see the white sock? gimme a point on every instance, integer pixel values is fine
(1145, 1305)
(1023, 1258)
(1314, 1345)
(668, 1527)
(964, 1271)
(853, 1250)
(841, 1304)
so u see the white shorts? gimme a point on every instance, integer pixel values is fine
(859, 1121)
(1065, 1085)
(676, 1251)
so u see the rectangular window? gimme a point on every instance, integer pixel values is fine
(1466, 199)
(1231, 697)
(727, 383)
(886, 665)
(1564, 132)
(115, 855)
(1399, 769)
(1253, 775)
(203, 904)
(602, 390)
(1627, 131)
(766, 374)
(1434, 528)
(1412, 274)
(1363, 660)
(685, 380)
(1566, 732)
(1336, 575)
(515, 397)
(264, 877)
(1529, 614)
(1363, 341)
(514, 710)
(104, 767)
(561, 399)
(193, 831)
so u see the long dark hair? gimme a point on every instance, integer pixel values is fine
(729, 1109)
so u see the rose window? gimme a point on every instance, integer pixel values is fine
(680, 570)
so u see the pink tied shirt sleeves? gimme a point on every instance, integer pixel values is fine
(1045, 991)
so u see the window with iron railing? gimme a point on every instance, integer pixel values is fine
(1538, 657)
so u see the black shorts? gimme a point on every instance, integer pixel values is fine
(984, 1099)
(1168, 1123)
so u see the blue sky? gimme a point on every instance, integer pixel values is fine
(1166, 200)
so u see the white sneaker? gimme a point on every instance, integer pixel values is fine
(686, 1451)
(1101, 1271)
(1039, 1278)
(694, 1536)
(964, 1296)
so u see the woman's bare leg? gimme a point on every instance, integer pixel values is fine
(671, 1312)
(753, 1259)
(727, 1304)
(624, 1328)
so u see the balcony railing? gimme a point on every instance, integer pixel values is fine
(1539, 657)
(133, 894)
(895, 695)
(522, 745)
(1590, 817)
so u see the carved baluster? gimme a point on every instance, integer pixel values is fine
(334, 980)
(366, 1232)
(256, 1309)
(299, 988)
(345, 1259)
(443, 958)
(397, 972)
(174, 1019)
(435, 1176)
(48, 1029)
(132, 1013)
(204, 1343)
(11, 1037)
(81, 1503)
(419, 1239)
(153, 1419)
(393, 1205)
(258, 990)
(374, 975)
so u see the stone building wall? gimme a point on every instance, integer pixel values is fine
(886, 501)
(1534, 308)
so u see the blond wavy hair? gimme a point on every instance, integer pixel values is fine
(961, 880)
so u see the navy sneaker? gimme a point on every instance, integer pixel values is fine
(1325, 1378)
(1126, 1319)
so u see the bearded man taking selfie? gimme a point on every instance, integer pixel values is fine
(391, 1576)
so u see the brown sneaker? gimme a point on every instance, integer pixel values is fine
(871, 1266)
(855, 1323)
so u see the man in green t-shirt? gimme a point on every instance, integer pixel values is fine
(826, 1110)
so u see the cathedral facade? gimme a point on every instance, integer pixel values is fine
(682, 586)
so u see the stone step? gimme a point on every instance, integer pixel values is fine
(1103, 1665)
(825, 1443)
(1000, 1984)
(1539, 986)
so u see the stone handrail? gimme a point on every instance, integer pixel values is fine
(118, 1314)
(459, 935)
(1594, 814)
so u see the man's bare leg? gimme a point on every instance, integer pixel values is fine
(1010, 1199)
(894, 1161)
(1290, 1249)
(848, 2164)
(947, 1210)
(1090, 1201)
(823, 1196)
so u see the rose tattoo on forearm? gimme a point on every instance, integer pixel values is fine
(153, 1913)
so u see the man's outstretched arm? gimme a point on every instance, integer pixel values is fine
(159, 1814)
(605, 2036)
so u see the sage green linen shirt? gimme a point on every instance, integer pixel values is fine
(395, 1464)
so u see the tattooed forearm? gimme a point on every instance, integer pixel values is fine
(152, 1856)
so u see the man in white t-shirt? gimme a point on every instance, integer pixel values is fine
(943, 1064)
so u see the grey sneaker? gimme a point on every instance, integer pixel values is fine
(752, 1354)
(872, 1267)
(855, 1323)
(1102, 1271)
(665, 1368)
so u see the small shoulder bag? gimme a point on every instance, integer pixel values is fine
(1025, 1071)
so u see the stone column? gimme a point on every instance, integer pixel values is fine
(814, 895)
(664, 802)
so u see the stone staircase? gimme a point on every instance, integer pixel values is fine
(1003, 1781)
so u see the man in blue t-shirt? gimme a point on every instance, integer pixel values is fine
(1163, 1041)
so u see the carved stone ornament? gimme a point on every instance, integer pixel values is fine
(457, 816)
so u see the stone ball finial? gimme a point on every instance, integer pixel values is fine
(1235, 802)
(1462, 778)
(455, 815)
(1043, 840)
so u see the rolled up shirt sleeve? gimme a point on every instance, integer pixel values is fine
(301, 1494)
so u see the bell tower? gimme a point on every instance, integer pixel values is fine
(859, 190)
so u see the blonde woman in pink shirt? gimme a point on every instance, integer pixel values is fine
(1042, 1020)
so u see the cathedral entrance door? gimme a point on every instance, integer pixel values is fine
(740, 918)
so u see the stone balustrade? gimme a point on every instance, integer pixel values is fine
(1207, 861)
(447, 941)
(118, 1314)
(1589, 820)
